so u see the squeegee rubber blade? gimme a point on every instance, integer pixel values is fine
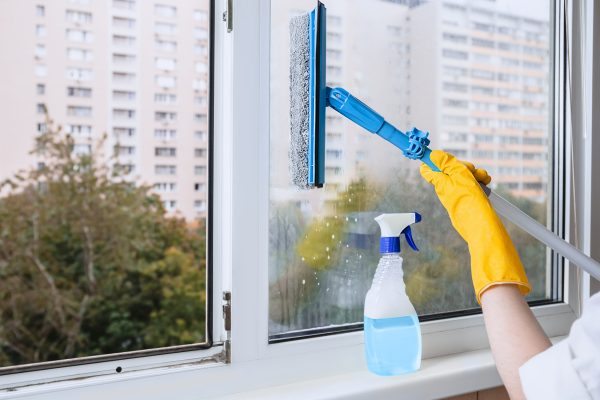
(317, 97)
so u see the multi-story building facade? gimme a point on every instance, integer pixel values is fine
(135, 70)
(485, 98)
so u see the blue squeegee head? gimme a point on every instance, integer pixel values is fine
(307, 98)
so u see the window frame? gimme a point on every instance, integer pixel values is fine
(115, 363)
(240, 200)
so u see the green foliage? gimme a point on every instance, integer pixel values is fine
(90, 264)
(325, 279)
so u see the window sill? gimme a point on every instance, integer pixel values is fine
(438, 377)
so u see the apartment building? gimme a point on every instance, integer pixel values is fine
(486, 97)
(135, 70)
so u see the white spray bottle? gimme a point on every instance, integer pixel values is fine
(392, 331)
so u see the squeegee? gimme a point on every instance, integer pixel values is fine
(309, 96)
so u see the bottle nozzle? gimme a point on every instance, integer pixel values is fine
(394, 225)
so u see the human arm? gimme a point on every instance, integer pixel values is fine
(498, 276)
(514, 334)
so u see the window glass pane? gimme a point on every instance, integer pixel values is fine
(479, 81)
(103, 180)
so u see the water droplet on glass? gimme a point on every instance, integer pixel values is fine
(355, 219)
(333, 236)
(302, 258)
(303, 281)
(327, 248)
(347, 219)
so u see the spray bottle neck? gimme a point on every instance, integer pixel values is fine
(389, 245)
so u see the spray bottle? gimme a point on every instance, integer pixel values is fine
(392, 331)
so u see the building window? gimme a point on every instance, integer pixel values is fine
(121, 132)
(79, 111)
(200, 187)
(73, 91)
(124, 4)
(165, 81)
(165, 169)
(200, 205)
(200, 33)
(170, 205)
(78, 74)
(165, 151)
(79, 130)
(202, 153)
(165, 11)
(167, 64)
(123, 77)
(162, 116)
(40, 11)
(40, 31)
(165, 187)
(123, 59)
(123, 113)
(168, 46)
(40, 88)
(201, 118)
(201, 135)
(123, 95)
(165, 98)
(201, 16)
(165, 28)
(165, 134)
(200, 170)
(40, 50)
(79, 36)
(79, 17)
(79, 54)
(125, 150)
(123, 41)
(122, 22)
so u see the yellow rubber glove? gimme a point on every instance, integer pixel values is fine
(494, 259)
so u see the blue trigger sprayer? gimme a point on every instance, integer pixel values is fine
(392, 330)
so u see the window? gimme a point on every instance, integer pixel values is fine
(40, 31)
(122, 22)
(200, 205)
(41, 108)
(167, 64)
(200, 34)
(125, 150)
(123, 95)
(165, 98)
(79, 54)
(165, 151)
(40, 88)
(165, 187)
(165, 134)
(200, 170)
(166, 11)
(78, 74)
(79, 91)
(200, 187)
(122, 113)
(123, 41)
(200, 15)
(322, 281)
(165, 169)
(79, 130)
(124, 4)
(162, 116)
(165, 28)
(123, 77)
(79, 17)
(168, 46)
(200, 153)
(79, 111)
(40, 11)
(123, 59)
(201, 135)
(40, 70)
(165, 81)
(80, 36)
(40, 51)
(123, 132)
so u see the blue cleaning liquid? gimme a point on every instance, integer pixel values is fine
(393, 345)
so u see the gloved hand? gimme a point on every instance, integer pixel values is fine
(494, 259)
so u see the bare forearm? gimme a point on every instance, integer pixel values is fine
(514, 333)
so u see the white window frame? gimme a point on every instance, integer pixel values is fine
(240, 254)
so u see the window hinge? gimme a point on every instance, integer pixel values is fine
(228, 16)
(226, 354)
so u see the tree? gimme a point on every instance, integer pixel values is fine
(89, 262)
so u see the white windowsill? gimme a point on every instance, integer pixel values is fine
(438, 377)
